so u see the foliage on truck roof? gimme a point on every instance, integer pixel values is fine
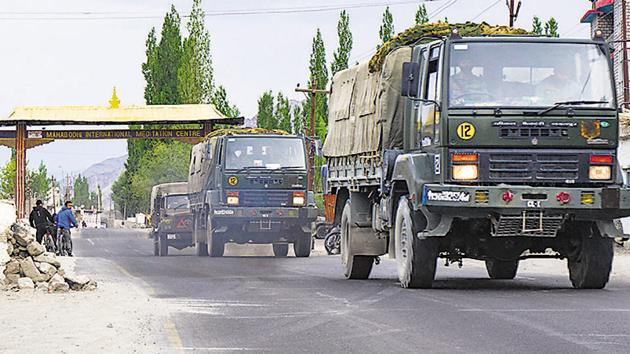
(438, 29)
(245, 131)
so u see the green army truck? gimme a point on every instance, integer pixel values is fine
(171, 219)
(495, 148)
(250, 186)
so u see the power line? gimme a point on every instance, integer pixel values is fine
(89, 15)
(485, 10)
(442, 9)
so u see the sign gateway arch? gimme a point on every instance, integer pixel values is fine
(155, 122)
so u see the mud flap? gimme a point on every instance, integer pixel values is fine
(437, 225)
(607, 229)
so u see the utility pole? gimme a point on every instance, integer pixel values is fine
(312, 92)
(513, 10)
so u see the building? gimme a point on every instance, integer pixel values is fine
(612, 18)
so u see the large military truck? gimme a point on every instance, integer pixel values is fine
(171, 219)
(496, 148)
(250, 186)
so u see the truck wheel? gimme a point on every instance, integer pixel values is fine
(302, 246)
(156, 246)
(590, 267)
(163, 245)
(501, 269)
(280, 249)
(201, 249)
(416, 259)
(354, 267)
(216, 246)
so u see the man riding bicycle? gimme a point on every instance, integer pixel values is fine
(40, 219)
(65, 221)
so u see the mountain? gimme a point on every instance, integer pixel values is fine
(104, 174)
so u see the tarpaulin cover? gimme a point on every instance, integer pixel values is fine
(365, 108)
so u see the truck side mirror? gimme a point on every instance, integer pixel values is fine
(410, 77)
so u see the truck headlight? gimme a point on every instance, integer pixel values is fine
(298, 198)
(599, 172)
(232, 198)
(465, 172)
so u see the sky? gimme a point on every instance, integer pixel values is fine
(55, 53)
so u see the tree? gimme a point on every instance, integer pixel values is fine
(264, 117)
(300, 115)
(282, 113)
(40, 182)
(221, 102)
(81, 189)
(342, 54)
(537, 27)
(7, 177)
(421, 15)
(195, 74)
(551, 28)
(386, 32)
(169, 55)
(318, 73)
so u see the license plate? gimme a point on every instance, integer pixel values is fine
(171, 237)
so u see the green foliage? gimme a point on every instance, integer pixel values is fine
(7, 177)
(282, 113)
(342, 54)
(551, 28)
(82, 195)
(421, 15)
(386, 31)
(318, 73)
(177, 71)
(40, 182)
(265, 117)
(300, 115)
(221, 102)
(537, 27)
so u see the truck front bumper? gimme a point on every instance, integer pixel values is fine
(265, 218)
(479, 201)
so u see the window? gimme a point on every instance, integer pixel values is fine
(429, 114)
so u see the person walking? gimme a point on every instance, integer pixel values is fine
(65, 221)
(40, 219)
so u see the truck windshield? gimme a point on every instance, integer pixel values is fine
(269, 153)
(177, 202)
(504, 74)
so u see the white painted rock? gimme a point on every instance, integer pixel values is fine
(25, 283)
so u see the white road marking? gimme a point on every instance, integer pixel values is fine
(91, 242)
(544, 310)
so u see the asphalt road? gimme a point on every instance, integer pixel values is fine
(291, 305)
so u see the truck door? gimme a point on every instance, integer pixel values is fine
(427, 114)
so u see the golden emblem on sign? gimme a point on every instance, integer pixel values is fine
(590, 129)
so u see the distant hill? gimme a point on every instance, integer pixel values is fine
(104, 174)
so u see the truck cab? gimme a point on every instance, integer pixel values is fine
(251, 188)
(171, 219)
(505, 149)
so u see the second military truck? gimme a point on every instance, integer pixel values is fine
(492, 148)
(170, 217)
(251, 187)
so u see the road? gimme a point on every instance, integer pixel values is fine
(291, 305)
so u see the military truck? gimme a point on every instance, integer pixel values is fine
(495, 148)
(171, 219)
(250, 186)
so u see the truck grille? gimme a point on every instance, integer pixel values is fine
(533, 167)
(264, 197)
(529, 223)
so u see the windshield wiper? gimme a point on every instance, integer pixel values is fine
(247, 168)
(292, 168)
(565, 103)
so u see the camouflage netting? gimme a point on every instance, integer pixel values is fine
(438, 29)
(243, 131)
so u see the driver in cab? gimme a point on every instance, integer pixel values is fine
(465, 84)
(560, 86)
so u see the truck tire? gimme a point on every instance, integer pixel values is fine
(302, 245)
(156, 246)
(501, 269)
(354, 267)
(590, 267)
(216, 246)
(280, 249)
(201, 249)
(416, 259)
(163, 245)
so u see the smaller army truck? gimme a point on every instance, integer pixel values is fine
(170, 217)
(250, 186)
